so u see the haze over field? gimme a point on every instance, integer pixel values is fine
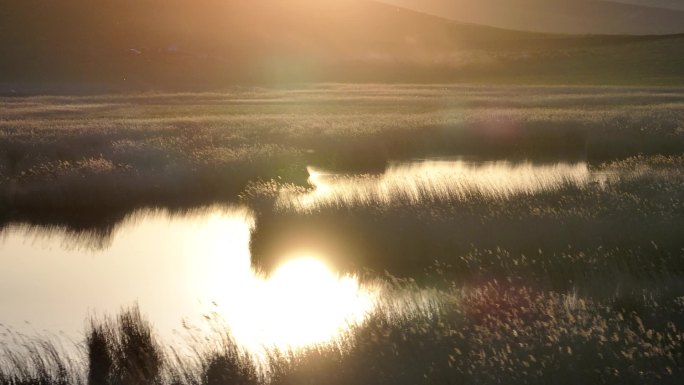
(211, 44)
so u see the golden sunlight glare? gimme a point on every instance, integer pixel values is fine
(301, 303)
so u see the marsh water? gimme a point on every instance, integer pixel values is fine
(181, 267)
(176, 268)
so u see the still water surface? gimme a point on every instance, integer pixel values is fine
(175, 267)
(182, 266)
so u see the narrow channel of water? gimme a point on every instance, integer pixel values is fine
(183, 266)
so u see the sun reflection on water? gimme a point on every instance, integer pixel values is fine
(169, 262)
(174, 267)
(302, 303)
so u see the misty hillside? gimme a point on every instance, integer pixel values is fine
(152, 44)
(668, 4)
(559, 16)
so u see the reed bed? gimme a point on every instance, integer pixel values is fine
(486, 334)
(109, 154)
(561, 264)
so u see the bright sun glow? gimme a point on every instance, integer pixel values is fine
(199, 264)
(301, 303)
(313, 303)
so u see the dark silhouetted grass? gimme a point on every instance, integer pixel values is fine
(123, 351)
(488, 334)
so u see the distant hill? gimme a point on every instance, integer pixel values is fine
(209, 44)
(560, 16)
(667, 4)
